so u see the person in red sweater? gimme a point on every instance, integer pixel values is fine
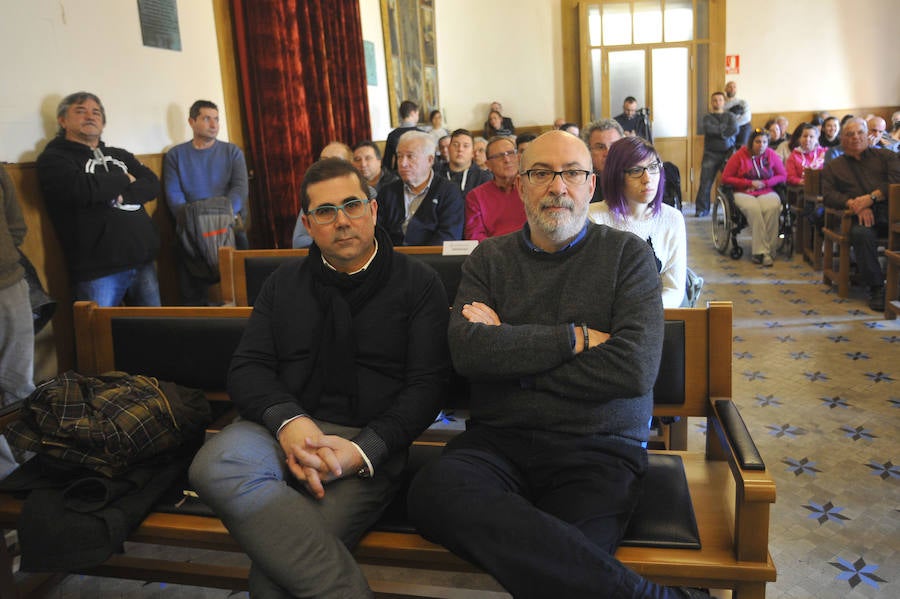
(495, 208)
(753, 172)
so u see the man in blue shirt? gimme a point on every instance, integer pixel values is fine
(203, 168)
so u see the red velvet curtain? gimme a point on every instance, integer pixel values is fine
(303, 80)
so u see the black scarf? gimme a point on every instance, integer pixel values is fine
(341, 297)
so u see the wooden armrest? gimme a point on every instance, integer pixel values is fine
(736, 431)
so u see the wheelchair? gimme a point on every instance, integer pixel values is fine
(728, 221)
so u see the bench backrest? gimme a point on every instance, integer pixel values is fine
(243, 272)
(193, 347)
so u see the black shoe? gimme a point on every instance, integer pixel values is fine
(691, 593)
(876, 299)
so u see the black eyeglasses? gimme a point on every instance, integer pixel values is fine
(544, 176)
(636, 172)
(502, 155)
(352, 208)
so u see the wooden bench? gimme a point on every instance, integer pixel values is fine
(892, 255)
(727, 486)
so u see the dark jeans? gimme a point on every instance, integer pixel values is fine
(541, 512)
(865, 247)
(712, 162)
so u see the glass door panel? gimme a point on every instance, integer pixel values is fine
(627, 77)
(670, 92)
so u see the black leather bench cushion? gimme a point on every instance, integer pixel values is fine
(193, 352)
(663, 518)
(257, 270)
(449, 268)
(669, 386)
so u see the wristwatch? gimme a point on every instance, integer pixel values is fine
(363, 472)
(873, 198)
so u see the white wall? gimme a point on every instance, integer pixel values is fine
(379, 109)
(824, 54)
(504, 50)
(55, 47)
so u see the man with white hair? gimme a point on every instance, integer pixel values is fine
(859, 181)
(421, 208)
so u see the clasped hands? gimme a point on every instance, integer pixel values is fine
(316, 458)
(484, 314)
(862, 208)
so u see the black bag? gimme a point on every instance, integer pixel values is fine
(42, 305)
(672, 190)
(202, 227)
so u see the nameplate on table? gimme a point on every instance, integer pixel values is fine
(459, 248)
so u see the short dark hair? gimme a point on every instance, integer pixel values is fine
(432, 114)
(497, 139)
(460, 132)
(629, 100)
(626, 153)
(407, 107)
(525, 138)
(714, 94)
(324, 170)
(73, 99)
(194, 112)
(368, 143)
(565, 126)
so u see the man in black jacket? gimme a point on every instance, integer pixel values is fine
(422, 208)
(95, 196)
(340, 368)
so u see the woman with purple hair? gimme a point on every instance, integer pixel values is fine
(633, 183)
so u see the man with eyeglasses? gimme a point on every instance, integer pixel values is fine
(719, 130)
(859, 181)
(599, 136)
(421, 208)
(341, 366)
(559, 329)
(495, 207)
(460, 167)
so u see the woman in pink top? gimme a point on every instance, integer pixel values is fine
(808, 154)
(753, 171)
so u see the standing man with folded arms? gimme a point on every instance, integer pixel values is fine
(95, 196)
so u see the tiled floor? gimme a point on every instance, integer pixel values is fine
(816, 378)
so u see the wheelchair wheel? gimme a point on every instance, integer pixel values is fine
(786, 233)
(721, 224)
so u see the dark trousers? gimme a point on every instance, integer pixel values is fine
(865, 248)
(541, 512)
(712, 162)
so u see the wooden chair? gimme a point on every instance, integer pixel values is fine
(892, 255)
(836, 253)
(809, 235)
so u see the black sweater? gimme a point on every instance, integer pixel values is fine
(98, 237)
(402, 360)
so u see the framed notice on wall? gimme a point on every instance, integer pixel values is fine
(159, 24)
(410, 47)
(733, 64)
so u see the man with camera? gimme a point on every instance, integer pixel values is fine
(634, 122)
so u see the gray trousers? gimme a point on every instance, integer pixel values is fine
(298, 545)
(16, 343)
